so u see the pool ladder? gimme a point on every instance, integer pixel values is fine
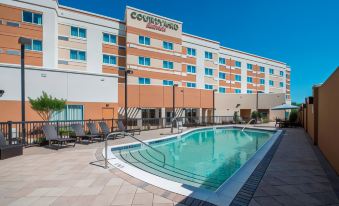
(247, 124)
(139, 140)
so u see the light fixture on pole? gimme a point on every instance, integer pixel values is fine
(23, 42)
(173, 105)
(127, 72)
(2, 92)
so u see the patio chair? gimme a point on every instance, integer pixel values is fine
(7, 151)
(121, 127)
(94, 131)
(80, 133)
(53, 137)
(105, 130)
(278, 122)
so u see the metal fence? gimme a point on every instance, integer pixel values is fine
(30, 133)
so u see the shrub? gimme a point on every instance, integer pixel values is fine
(46, 105)
(236, 117)
(255, 115)
(293, 115)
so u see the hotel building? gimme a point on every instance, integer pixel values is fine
(81, 57)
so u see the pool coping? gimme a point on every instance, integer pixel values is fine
(224, 194)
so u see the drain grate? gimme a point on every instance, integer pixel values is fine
(246, 193)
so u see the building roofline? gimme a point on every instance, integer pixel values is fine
(90, 13)
(254, 55)
(202, 38)
(156, 15)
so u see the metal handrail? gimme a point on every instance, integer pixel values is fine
(247, 124)
(142, 142)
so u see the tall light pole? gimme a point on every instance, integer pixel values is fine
(173, 105)
(126, 72)
(23, 41)
(213, 112)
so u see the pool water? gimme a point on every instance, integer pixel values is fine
(205, 158)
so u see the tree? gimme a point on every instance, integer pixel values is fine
(46, 105)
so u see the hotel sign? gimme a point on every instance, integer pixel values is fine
(154, 22)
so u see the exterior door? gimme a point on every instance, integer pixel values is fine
(108, 113)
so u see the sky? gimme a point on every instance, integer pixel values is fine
(302, 33)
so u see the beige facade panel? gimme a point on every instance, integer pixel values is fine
(155, 63)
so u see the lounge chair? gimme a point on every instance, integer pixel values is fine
(106, 131)
(52, 136)
(121, 127)
(80, 133)
(94, 131)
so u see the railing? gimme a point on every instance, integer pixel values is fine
(147, 145)
(34, 134)
(247, 124)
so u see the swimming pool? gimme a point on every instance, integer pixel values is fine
(201, 161)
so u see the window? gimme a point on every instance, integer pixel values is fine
(262, 81)
(109, 59)
(30, 17)
(36, 45)
(237, 91)
(144, 80)
(167, 82)
(249, 66)
(77, 55)
(222, 60)
(167, 65)
(271, 82)
(109, 38)
(281, 84)
(208, 72)
(191, 52)
(144, 61)
(281, 73)
(249, 91)
(70, 112)
(78, 32)
(208, 86)
(222, 75)
(191, 69)
(144, 40)
(208, 55)
(222, 90)
(237, 78)
(191, 85)
(237, 64)
(249, 80)
(271, 71)
(167, 45)
(262, 69)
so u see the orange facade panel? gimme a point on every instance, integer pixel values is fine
(156, 96)
(153, 35)
(32, 58)
(113, 49)
(230, 62)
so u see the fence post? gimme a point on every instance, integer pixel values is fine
(9, 123)
(57, 127)
(112, 129)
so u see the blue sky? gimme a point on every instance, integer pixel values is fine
(302, 33)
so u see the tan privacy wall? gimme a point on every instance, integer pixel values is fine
(310, 120)
(328, 136)
(227, 104)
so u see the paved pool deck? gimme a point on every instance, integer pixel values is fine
(74, 176)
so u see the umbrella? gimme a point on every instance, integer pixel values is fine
(284, 107)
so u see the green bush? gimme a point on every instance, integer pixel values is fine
(255, 115)
(236, 117)
(293, 116)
